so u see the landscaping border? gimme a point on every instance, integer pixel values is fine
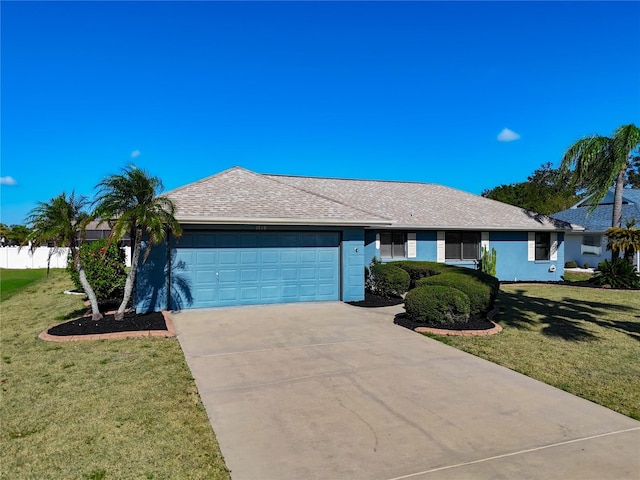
(465, 333)
(169, 332)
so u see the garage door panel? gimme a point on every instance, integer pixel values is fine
(288, 274)
(252, 275)
(235, 268)
(228, 257)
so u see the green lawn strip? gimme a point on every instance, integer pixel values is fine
(576, 276)
(583, 340)
(96, 409)
(12, 281)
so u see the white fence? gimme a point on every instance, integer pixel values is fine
(23, 258)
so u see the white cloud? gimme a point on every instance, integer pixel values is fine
(507, 135)
(135, 153)
(7, 181)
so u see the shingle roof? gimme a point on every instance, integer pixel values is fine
(600, 219)
(238, 195)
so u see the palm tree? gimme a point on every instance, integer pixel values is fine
(61, 221)
(598, 162)
(132, 201)
(625, 240)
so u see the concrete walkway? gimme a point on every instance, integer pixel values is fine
(331, 391)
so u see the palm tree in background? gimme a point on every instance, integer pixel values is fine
(132, 201)
(599, 162)
(62, 221)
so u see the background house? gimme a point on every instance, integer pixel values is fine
(251, 239)
(589, 246)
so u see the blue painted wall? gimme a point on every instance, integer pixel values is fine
(511, 248)
(512, 265)
(353, 261)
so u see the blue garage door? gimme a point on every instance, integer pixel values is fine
(245, 268)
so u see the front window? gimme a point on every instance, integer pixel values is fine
(462, 245)
(543, 246)
(392, 245)
(591, 245)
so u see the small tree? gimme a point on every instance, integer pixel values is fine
(104, 264)
(61, 221)
(624, 240)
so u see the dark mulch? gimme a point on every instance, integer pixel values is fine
(473, 324)
(372, 301)
(130, 323)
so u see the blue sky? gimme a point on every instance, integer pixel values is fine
(417, 91)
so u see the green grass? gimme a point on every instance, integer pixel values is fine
(12, 281)
(583, 340)
(577, 276)
(119, 409)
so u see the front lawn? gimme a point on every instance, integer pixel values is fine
(96, 409)
(12, 281)
(583, 340)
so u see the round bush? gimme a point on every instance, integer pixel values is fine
(104, 267)
(571, 264)
(437, 305)
(387, 280)
(479, 293)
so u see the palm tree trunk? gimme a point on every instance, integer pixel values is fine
(131, 277)
(616, 218)
(95, 310)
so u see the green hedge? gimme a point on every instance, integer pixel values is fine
(387, 280)
(479, 293)
(571, 264)
(437, 305)
(418, 270)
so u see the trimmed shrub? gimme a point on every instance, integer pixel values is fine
(617, 274)
(437, 305)
(105, 269)
(479, 293)
(387, 280)
(571, 264)
(418, 270)
(586, 265)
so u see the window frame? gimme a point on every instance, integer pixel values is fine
(593, 248)
(541, 246)
(461, 254)
(395, 243)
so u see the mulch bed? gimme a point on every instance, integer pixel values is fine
(130, 323)
(473, 324)
(373, 301)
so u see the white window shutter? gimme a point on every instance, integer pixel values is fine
(531, 247)
(377, 241)
(554, 247)
(440, 247)
(484, 241)
(412, 248)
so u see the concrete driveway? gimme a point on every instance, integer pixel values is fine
(331, 391)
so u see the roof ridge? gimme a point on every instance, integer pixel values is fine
(353, 179)
(202, 180)
(326, 197)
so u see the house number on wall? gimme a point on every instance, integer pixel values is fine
(261, 227)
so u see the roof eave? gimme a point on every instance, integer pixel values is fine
(281, 221)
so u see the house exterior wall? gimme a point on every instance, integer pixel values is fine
(511, 249)
(573, 251)
(151, 282)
